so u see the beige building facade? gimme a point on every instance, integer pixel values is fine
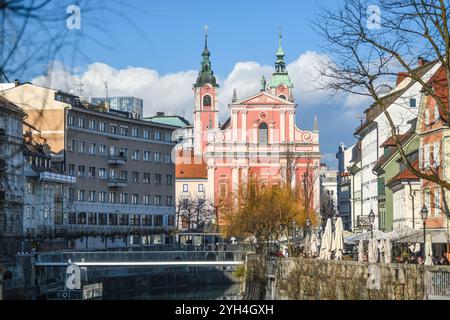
(125, 175)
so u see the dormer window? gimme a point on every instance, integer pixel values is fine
(207, 101)
(282, 97)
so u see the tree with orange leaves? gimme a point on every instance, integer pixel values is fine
(265, 213)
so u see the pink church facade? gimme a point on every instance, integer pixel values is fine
(259, 138)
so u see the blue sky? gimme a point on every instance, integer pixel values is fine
(162, 41)
(170, 34)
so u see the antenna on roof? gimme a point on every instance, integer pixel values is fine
(360, 117)
(80, 86)
(106, 95)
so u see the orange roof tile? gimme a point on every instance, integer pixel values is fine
(188, 166)
(406, 174)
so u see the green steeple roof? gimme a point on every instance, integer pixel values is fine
(206, 75)
(280, 76)
(280, 51)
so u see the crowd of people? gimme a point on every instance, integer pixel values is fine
(419, 259)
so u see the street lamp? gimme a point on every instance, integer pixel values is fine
(308, 224)
(424, 214)
(371, 220)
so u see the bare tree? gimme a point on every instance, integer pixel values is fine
(196, 212)
(368, 45)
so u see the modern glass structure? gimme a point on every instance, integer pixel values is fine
(127, 104)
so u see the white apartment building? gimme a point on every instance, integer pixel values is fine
(402, 104)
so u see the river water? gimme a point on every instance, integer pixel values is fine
(213, 292)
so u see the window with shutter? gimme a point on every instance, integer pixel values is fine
(426, 159)
(437, 202)
(436, 154)
(420, 157)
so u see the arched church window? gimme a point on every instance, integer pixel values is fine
(207, 101)
(282, 97)
(263, 133)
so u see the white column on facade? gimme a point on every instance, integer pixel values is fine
(234, 123)
(271, 128)
(244, 126)
(282, 125)
(210, 189)
(291, 125)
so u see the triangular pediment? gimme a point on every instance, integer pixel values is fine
(263, 97)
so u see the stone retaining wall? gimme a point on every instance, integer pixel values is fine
(314, 279)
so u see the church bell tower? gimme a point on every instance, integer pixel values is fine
(206, 113)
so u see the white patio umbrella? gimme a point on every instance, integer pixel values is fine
(361, 251)
(373, 251)
(338, 243)
(327, 241)
(428, 251)
(313, 244)
(417, 248)
(381, 249)
(387, 251)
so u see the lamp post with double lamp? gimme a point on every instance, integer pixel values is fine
(424, 214)
(371, 220)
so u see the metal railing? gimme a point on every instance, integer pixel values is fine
(117, 159)
(437, 283)
(13, 283)
(140, 256)
(117, 182)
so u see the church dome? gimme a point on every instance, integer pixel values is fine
(204, 78)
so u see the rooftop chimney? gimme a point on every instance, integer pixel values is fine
(421, 61)
(160, 114)
(16, 82)
(28, 137)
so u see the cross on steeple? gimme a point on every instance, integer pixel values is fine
(206, 37)
(280, 35)
(206, 74)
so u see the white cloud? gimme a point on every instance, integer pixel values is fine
(246, 78)
(172, 93)
(305, 75)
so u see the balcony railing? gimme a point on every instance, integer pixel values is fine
(9, 197)
(79, 230)
(117, 182)
(2, 134)
(117, 159)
